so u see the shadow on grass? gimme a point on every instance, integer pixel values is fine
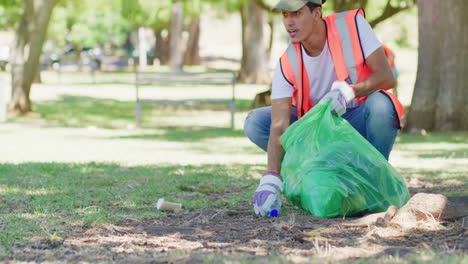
(81, 111)
(450, 183)
(84, 111)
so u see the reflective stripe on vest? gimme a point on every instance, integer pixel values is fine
(391, 59)
(347, 55)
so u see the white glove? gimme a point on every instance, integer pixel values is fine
(268, 195)
(340, 94)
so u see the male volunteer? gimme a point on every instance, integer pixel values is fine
(335, 58)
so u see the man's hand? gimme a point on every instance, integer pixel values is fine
(341, 94)
(268, 193)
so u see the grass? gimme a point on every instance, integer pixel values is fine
(86, 111)
(47, 199)
(436, 159)
(44, 197)
(75, 101)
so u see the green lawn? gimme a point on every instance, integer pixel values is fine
(85, 111)
(47, 199)
(76, 164)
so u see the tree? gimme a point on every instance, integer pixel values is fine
(98, 26)
(255, 44)
(440, 99)
(192, 51)
(176, 58)
(86, 24)
(151, 14)
(168, 19)
(389, 8)
(10, 13)
(29, 40)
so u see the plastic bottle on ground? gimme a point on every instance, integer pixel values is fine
(275, 208)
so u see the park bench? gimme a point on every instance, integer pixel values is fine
(158, 79)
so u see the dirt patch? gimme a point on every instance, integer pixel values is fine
(198, 236)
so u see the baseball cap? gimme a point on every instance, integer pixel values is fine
(294, 5)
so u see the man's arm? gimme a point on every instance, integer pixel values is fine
(381, 78)
(280, 119)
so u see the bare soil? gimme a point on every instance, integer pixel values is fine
(215, 235)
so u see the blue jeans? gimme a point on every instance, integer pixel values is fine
(375, 120)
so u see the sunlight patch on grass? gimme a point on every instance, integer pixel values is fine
(32, 216)
(437, 152)
(21, 191)
(433, 163)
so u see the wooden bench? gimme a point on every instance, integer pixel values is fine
(185, 79)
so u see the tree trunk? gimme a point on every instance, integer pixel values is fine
(271, 26)
(37, 77)
(192, 52)
(440, 98)
(161, 50)
(255, 44)
(77, 48)
(175, 37)
(29, 40)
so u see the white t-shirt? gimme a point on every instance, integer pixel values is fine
(321, 70)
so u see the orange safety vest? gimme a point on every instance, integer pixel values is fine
(348, 59)
(390, 55)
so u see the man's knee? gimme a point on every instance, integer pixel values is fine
(379, 104)
(250, 123)
(257, 124)
(382, 122)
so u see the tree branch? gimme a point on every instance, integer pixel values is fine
(263, 5)
(390, 11)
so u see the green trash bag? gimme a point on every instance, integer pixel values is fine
(329, 169)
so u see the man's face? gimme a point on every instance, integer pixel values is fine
(299, 24)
